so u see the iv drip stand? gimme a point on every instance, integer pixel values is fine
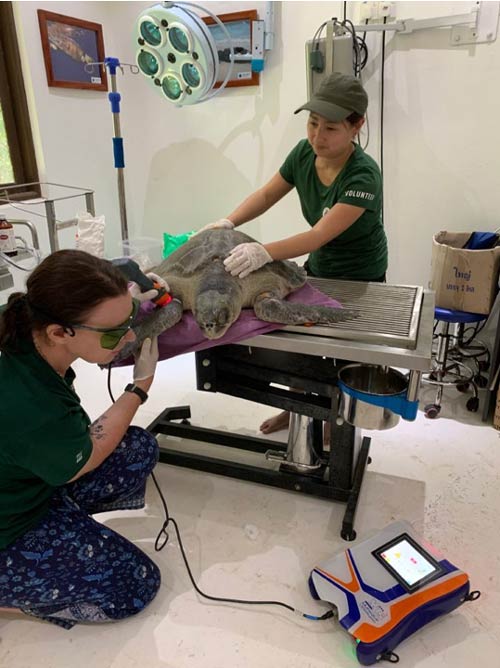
(114, 98)
(119, 158)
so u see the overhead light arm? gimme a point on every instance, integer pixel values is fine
(477, 26)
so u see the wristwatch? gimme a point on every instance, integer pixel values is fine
(131, 387)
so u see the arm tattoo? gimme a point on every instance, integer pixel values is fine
(97, 428)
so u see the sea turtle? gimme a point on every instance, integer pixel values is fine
(199, 282)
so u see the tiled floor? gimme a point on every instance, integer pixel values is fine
(249, 541)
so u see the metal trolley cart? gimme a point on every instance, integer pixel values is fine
(51, 194)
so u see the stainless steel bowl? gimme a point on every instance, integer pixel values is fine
(371, 380)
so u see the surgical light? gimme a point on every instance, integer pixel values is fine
(177, 52)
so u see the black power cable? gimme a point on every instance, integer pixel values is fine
(163, 537)
(348, 25)
(161, 541)
(360, 58)
(382, 77)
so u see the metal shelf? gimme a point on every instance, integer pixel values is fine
(7, 197)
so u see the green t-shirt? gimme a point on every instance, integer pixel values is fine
(360, 252)
(45, 438)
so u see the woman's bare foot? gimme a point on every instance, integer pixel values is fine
(276, 423)
(11, 611)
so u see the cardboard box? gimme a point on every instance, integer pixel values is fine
(496, 416)
(463, 280)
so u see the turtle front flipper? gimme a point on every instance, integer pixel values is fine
(152, 325)
(271, 308)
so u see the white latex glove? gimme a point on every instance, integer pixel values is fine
(146, 360)
(158, 279)
(136, 293)
(221, 223)
(245, 258)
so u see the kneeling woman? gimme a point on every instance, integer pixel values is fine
(56, 469)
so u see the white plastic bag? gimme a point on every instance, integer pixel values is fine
(90, 233)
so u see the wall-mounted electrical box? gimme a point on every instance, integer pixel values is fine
(325, 55)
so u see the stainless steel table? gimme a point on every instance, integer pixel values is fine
(394, 328)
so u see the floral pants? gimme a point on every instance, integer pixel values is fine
(69, 568)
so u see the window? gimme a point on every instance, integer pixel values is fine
(17, 153)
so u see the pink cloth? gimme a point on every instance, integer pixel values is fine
(186, 336)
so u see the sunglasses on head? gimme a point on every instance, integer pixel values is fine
(111, 337)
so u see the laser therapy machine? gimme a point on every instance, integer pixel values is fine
(387, 587)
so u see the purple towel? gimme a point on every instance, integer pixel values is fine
(186, 336)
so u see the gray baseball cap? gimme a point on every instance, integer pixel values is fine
(337, 97)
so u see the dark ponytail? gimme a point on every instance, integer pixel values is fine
(62, 289)
(14, 320)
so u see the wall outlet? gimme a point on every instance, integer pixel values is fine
(365, 11)
(383, 10)
(376, 11)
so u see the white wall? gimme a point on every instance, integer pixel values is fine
(187, 166)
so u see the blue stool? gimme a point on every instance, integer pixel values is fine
(448, 368)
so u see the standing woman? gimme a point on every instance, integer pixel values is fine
(57, 563)
(340, 192)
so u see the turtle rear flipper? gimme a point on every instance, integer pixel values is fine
(273, 309)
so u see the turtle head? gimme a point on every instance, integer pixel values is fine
(215, 313)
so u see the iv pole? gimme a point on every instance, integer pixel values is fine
(119, 157)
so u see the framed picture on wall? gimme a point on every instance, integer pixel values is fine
(69, 45)
(239, 27)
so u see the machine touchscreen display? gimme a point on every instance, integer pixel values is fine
(409, 563)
